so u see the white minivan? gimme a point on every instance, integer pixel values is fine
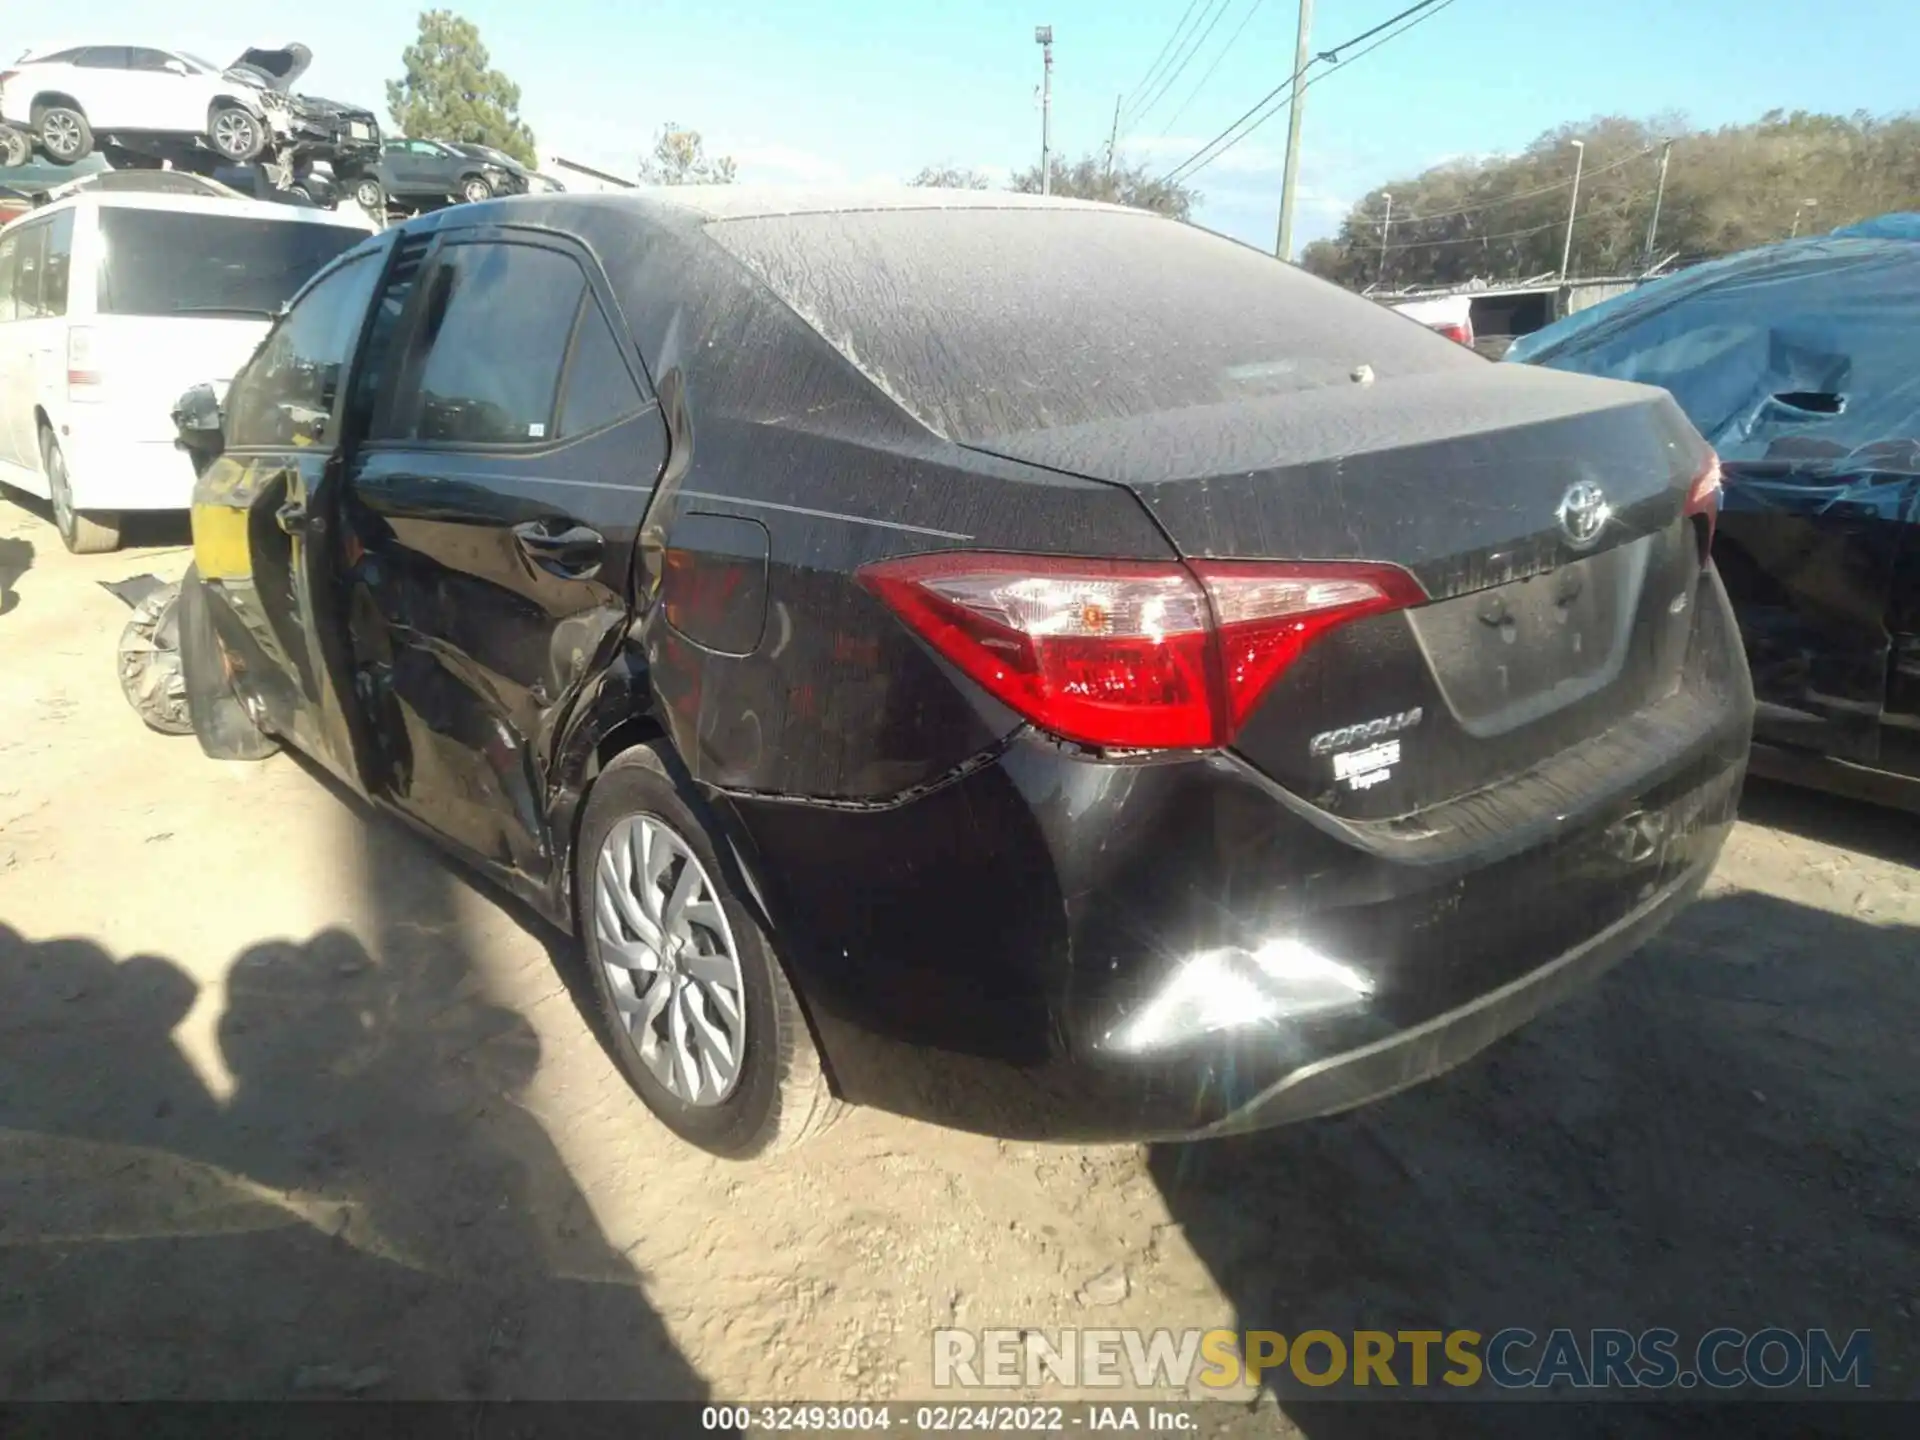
(111, 305)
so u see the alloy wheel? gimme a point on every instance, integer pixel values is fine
(234, 134)
(670, 959)
(60, 133)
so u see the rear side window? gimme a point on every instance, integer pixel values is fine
(103, 57)
(30, 273)
(53, 288)
(484, 365)
(600, 389)
(191, 262)
(985, 322)
(287, 393)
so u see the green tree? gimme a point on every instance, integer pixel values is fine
(951, 177)
(680, 158)
(1505, 218)
(451, 92)
(1128, 183)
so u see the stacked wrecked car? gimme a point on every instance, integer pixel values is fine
(142, 108)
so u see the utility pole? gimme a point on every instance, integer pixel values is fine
(1113, 138)
(1573, 205)
(1659, 194)
(1043, 37)
(1386, 229)
(1296, 107)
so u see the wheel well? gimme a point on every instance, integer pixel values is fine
(42, 421)
(627, 735)
(47, 100)
(233, 102)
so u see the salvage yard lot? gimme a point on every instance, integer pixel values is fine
(289, 1106)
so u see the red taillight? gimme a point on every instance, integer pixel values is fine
(1129, 654)
(83, 365)
(1703, 502)
(1460, 334)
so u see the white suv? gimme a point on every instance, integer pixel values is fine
(112, 305)
(67, 99)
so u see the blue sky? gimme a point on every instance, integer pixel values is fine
(868, 90)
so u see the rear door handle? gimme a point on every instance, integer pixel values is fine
(571, 554)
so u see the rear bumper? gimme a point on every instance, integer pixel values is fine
(108, 472)
(1061, 947)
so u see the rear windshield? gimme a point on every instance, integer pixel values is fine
(171, 262)
(994, 322)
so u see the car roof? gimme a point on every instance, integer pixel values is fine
(755, 202)
(196, 204)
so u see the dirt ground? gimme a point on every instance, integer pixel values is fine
(288, 1106)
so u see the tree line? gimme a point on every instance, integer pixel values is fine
(450, 90)
(1505, 217)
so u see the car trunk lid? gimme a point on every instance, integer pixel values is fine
(1544, 519)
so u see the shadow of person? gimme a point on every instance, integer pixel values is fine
(16, 558)
(1721, 1133)
(370, 1210)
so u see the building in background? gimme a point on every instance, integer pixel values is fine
(582, 179)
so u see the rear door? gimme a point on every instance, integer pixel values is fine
(1815, 562)
(36, 341)
(512, 448)
(100, 83)
(265, 500)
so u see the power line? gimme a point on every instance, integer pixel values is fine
(1194, 93)
(1276, 100)
(1154, 69)
(1218, 8)
(1524, 194)
(1619, 207)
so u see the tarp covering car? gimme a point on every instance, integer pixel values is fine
(1797, 361)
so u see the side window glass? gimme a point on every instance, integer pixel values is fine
(9, 250)
(485, 360)
(53, 288)
(286, 395)
(378, 359)
(141, 59)
(30, 265)
(103, 57)
(600, 389)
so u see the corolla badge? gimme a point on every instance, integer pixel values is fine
(1583, 514)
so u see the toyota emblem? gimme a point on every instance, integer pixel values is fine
(1583, 514)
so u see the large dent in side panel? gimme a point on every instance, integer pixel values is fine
(837, 702)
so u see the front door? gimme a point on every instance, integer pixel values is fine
(492, 513)
(260, 518)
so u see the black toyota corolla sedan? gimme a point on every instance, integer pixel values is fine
(1026, 664)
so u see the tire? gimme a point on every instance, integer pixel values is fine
(778, 1094)
(370, 196)
(220, 722)
(64, 135)
(96, 532)
(150, 673)
(236, 133)
(475, 188)
(16, 148)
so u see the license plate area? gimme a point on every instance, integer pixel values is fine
(1507, 656)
